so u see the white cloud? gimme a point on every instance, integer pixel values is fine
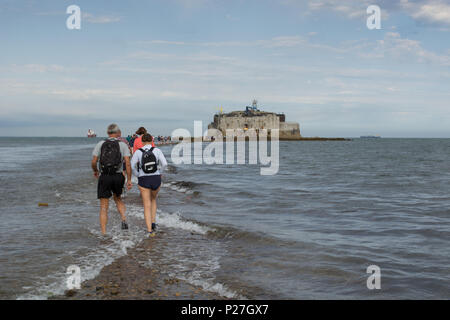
(429, 11)
(353, 9)
(178, 43)
(396, 46)
(35, 68)
(193, 3)
(393, 45)
(281, 41)
(91, 18)
(85, 16)
(434, 11)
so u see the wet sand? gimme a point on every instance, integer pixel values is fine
(126, 278)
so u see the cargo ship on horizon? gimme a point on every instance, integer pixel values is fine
(91, 134)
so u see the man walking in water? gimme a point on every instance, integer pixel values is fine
(112, 153)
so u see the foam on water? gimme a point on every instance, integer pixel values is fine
(196, 262)
(190, 261)
(200, 271)
(170, 220)
(178, 187)
(174, 186)
(112, 246)
(175, 220)
(218, 288)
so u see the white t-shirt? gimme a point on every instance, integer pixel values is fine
(160, 160)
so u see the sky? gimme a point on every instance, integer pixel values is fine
(164, 64)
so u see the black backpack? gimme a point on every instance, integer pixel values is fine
(148, 161)
(110, 157)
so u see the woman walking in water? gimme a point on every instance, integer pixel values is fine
(147, 164)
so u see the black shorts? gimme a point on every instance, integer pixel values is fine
(150, 182)
(109, 184)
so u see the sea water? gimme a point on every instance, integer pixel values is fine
(309, 232)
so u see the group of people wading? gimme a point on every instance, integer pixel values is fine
(113, 163)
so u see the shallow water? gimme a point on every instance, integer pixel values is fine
(310, 231)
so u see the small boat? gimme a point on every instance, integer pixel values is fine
(91, 134)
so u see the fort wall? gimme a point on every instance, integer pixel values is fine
(256, 120)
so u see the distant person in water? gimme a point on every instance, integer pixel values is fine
(124, 140)
(129, 137)
(137, 144)
(147, 164)
(111, 153)
(132, 138)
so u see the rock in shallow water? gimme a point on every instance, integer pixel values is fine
(70, 293)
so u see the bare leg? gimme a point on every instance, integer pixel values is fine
(153, 196)
(104, 204)
(120, 206)
(145, 194)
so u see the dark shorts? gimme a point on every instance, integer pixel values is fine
(150, 182)
(109, 184)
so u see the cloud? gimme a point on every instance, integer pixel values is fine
(276, 42)
(393, 45)
(85, 16)
(352, 9)
(91, 18)
(166, 42)
(432, 11)
(192, 3)
(34, 68)
(435, 12)
(349, 9)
